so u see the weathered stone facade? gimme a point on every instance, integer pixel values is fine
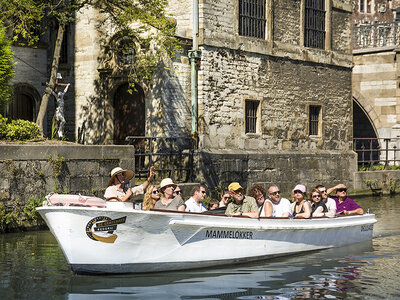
(283, 76)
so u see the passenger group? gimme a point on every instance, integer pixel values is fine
(258, 202)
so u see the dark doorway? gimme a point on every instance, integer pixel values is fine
(22, 107)
(366, 143)
(129, 113)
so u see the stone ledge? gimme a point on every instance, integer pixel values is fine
(42, 152)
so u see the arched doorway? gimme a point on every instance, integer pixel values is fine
(129, 113)
(364, 135)
(25, 103)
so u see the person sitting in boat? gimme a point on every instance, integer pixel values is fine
(241, 205)
(344, 204)
(178, 192)
(301, 208)
(150, 198)
(118, 185)
(213, 204)
(318, 207)
(258, 192)
(281, 207)
(168, 201)
(225, 198)
(329, 202)
(195, 203)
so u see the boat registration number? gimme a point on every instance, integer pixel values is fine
(367, 227)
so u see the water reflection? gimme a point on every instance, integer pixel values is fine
(32, 266)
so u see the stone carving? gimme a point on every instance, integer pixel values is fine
(59, 95)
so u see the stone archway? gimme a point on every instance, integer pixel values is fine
(25, 103)
(129, 113)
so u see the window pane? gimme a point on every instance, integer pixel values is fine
(314, 120)
(251, 116)
(314, 36)
(252, 18)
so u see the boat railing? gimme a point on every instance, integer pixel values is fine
(377, 153)
(171, 156)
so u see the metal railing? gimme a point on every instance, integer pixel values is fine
(377, 151)
(376, 35)
(171, 156)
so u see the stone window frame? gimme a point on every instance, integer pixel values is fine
(258, 116)
(328, 24)
(309, 119)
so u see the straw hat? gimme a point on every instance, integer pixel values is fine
(166, 182)
(118, 170)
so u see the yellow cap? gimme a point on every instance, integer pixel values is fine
(235, 186)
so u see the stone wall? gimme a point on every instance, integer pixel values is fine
(284, 168)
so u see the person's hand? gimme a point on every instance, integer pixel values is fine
(129, 192)
(152, 173)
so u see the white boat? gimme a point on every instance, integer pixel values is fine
(112, 237)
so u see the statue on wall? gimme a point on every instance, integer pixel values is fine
(59, 95)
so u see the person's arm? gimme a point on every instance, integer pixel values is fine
(357, 211)
(149, 179)
(319, 212)
(338, 186)
(127, 195)
(182, 207)
(251, 214)
(268, 209)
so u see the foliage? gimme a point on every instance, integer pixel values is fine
(57, 164)
(23, 212)
(3, 127)
(6, 69)
(147, 29)
(21, 130)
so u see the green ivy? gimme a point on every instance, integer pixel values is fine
(56, 164)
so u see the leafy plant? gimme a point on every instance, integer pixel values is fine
(7, 66)
(20, 130)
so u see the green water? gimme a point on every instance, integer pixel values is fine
(32, 266)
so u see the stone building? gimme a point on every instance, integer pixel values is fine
(375, 79)
(274, 90)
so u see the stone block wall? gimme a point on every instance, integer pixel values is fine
(284, 168)
(34, 171)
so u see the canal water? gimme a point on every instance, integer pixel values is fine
(32, 266)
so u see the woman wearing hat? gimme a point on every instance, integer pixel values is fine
(168, 201)
(118, 185)
(301, 208)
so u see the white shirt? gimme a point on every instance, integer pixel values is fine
(331, 206)
(192, 206)
(113, 191)
(278, 209)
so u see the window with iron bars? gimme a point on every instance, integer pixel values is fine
(314, 31)
(251, 116)
(314, 123)
(252, 18)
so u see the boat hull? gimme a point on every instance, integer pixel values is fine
(123, 240)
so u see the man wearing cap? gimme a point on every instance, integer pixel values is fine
(118, 185)
(344, 204)
(241, 205)
(168, 201)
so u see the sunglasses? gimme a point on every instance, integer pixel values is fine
(178, 192)
(155, 192)
(341, 190)
(237, 192)
(203, 192)
(275, 193)
(323, 191)
(298, 192)
(227, 197)
(316, 196)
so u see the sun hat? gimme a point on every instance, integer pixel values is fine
(300, 187)
(234, 186)
(118, 170)
(166, 182)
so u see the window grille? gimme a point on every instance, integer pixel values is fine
(368, 6)
(314, 120)
(315, 24)
(251, 116)
(362, 5)
(252, 18)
